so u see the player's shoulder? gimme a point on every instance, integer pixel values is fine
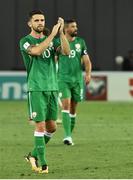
(24, 42)
(80, 39)
(27, 37)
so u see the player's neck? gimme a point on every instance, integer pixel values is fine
(37, 35)
(70, 38)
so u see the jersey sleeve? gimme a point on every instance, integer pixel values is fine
(24, 44)
(84, 48)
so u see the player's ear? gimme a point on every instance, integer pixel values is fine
(29, 24)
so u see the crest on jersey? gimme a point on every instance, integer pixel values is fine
(34, 114)
(78, 48)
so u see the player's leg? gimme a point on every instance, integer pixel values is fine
(59, 118)
(65, 95)
(77, 96)
(37, 105)
(32, 156)
(73, 114)
(40, 145)
(66, 121)
(51, 116)
(50, 129)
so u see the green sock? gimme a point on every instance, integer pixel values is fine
(66, 123)
(47, 136)
(73, 118)
(40, 147)
(34, 153)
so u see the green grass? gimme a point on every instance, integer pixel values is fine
(103, 143)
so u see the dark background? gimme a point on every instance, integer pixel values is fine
(106, 26)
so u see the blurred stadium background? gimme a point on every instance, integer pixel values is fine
(107, 27)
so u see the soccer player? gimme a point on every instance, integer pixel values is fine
(70, 78)
(38, 53)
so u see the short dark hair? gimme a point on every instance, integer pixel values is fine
(31, 13)
(68, 21)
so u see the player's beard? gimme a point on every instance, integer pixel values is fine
(74, 34)
(39, 29)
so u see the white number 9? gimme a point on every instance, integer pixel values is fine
(72, 54)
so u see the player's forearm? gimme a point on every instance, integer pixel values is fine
(39, 49)
(88, 68)
(88, 65)
(65, 48)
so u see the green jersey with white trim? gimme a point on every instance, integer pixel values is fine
(41, 70)
(70, 67)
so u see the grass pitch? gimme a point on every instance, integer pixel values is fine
(103, 143)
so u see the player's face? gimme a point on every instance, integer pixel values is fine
(72, 29)
(38, 23)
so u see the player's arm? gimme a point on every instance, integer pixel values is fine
(65, 48)
(39, 49)
(88, 67)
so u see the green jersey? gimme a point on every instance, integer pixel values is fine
(41, 70)
(70, 67)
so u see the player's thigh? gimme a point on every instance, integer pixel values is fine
(37, 105)
(77, 93)
(64, 90)
(52, 111)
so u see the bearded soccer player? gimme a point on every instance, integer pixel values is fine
(38, 53)
(70, 78)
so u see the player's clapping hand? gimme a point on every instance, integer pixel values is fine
(61, 21)
(55, 29)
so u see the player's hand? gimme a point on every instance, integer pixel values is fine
(55, 29)
(61, 21)
(87, 78)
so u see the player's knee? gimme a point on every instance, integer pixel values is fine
(40, 129)
(66, 107)
(66, 104)
(51, 130)
(40, 126)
